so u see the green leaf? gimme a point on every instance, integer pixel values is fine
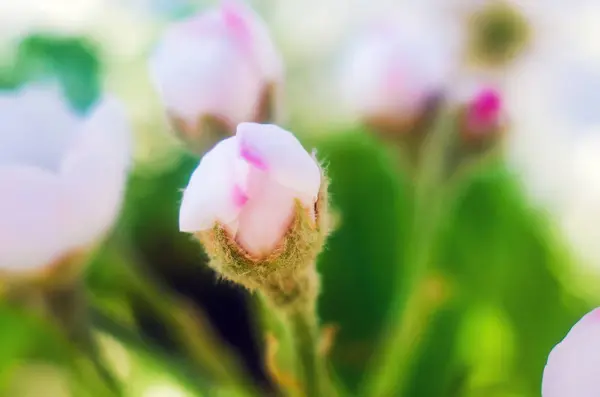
(73, 62)
(362, 258)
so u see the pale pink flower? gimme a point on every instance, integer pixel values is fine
(217, 63)
(484, 110)
(62, 175)
(573, 367)
(250, 183)
(392, 70)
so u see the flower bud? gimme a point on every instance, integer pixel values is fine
(215, 70)
(258, 203)
(482, 116)
(62, 177)
(392, 73)
(573, 367)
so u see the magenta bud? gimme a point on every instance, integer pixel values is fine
(484, 112)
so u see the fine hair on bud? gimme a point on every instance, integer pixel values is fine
(288, 273)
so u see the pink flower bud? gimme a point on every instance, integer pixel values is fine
(251, 184)
(573, 367)
(392, 71)
(62, 176)
(484, 111)
(220, 64)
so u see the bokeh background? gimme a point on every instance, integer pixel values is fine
(519, 253)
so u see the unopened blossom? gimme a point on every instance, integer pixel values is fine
(251, 185)
(392, 70)
(217, 66)
(483, 114)
(573, 367)
(62, 175)
(484, 110)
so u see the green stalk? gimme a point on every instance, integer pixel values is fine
(391, 362)
(292, 297)
(305, 337)
(191, 331)
(67, 304)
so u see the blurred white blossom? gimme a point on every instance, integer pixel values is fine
(344, 55)
(217, 63)
(393, 69)
(62, 175)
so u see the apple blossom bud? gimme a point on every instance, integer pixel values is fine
(215, 70)
(392, 73)
(573, 367)
(482, 116)
(257, 201)
(484, 110)
(479, 120)
(62, 177)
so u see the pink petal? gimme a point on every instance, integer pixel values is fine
(198, 75)
(215, 190)
(484, 110)
(266, 217)
(237, 24)
(240, 198)
(254, 158)
(282, 155)
(391, 70)
(265, 54)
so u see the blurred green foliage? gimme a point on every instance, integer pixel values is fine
(496, 250)
(72, 62)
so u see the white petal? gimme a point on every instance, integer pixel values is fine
(573, 366)
(36, 226)
(266, 217)
(37, 126)
(95, 169)
(286, 161)
(200, 73)
(210, 194)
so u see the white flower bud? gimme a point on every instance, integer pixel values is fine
(258, 203)
(217, 67)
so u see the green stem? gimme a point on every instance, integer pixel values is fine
(67, 304)
(180, 368)
(62, 304)
(191, 331)
(293, 297)
(305, 336)
(392, 361)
